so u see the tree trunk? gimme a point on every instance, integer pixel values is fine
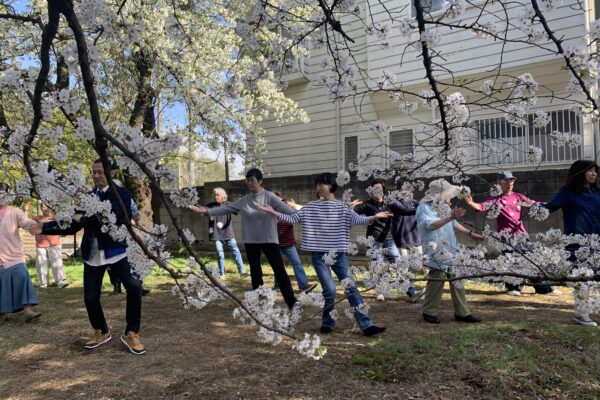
(143, 117)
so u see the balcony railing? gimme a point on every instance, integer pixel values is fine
(500, 143)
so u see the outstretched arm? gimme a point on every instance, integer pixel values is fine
(287, 218)
(403, 208)
(225, 209)
(461, 229)
(456, 213)
(472, 204)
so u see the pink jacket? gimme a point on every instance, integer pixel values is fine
(11, 219)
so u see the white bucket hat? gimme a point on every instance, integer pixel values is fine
(441, 189)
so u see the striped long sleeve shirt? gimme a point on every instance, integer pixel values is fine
(325, 225)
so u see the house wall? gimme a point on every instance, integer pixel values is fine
(298, 149)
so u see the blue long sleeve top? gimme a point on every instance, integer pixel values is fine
(581, 212)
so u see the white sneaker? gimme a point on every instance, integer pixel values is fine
(585, 320)
(380, 297)
(514, 293)
(554, 293)
(416, 295)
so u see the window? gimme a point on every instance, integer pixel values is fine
(401, 141)
(350, 151)
(497, 138)
(429, 6)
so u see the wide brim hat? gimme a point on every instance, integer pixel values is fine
(441, 189)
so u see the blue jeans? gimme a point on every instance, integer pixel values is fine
(392, 254)
(292, 255)
(232, 244)
(341, 267)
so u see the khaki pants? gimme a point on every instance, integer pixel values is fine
(433, 295)
(53, 256)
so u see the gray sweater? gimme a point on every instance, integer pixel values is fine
(257, 226)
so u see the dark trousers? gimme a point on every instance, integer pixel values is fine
(271, 251)
(114, 279)
(540, 287)
(92, 285)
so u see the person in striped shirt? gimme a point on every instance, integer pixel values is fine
(326, 227)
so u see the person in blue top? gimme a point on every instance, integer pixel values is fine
(437, 225)
(100, 251)
(579, 200)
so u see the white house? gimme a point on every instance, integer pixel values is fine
(336, 134)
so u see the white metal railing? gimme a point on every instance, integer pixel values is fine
(497, 138)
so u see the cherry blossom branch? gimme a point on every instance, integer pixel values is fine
(101, 146)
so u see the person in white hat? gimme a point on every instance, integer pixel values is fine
(437, 225)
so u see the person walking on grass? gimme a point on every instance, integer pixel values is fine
(48, 250)
(381, 230)
(220, 231)
(259, 231)
(287, 246)
(579, 200)
(100, 251)
(438, 227)
(326, 227)
(16, 290)
(509, 222)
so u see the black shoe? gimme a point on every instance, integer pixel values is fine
(145, 291)
(374, 330)
(471, 319)
(309, 288)
(432, 319)
(325, 329)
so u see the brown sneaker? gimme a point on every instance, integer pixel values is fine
(133, 343)
(98, 340)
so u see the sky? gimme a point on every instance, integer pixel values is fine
(174, 115)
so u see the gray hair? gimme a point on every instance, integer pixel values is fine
(221, 191)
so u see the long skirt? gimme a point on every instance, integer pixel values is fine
(16, 289)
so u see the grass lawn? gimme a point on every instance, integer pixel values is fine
(526, 348)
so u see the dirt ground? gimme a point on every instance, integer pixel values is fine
(205, 354)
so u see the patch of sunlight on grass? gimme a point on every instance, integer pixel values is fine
(27, 352)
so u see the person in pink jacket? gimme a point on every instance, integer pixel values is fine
(16, 290)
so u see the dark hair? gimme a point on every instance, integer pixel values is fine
(280, 195)
(112, 165)
(378, 183)
(576, 178)
(254, 172)
(326, 178)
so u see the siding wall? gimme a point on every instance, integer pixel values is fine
(298, 149)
